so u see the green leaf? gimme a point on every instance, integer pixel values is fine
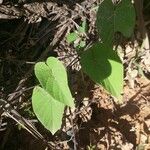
(115, 17)
(49, 102)
(83, 28)
(57, 69)
(71, 37)
(82, 44)
(42, 72)
(57, 83)
(104, 67)
(53, 78)
(47, 109)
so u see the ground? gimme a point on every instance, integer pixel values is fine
(31, 31)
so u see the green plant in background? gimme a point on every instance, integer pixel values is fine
(101, 62)
(104, 67)
(77, 37)
(50, 100)
(111, 18)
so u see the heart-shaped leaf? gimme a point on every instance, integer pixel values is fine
(53, 78)
(115, 17)
(49, 102)
(48, 110)
(104, 67)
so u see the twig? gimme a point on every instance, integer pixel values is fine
(74, 135)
